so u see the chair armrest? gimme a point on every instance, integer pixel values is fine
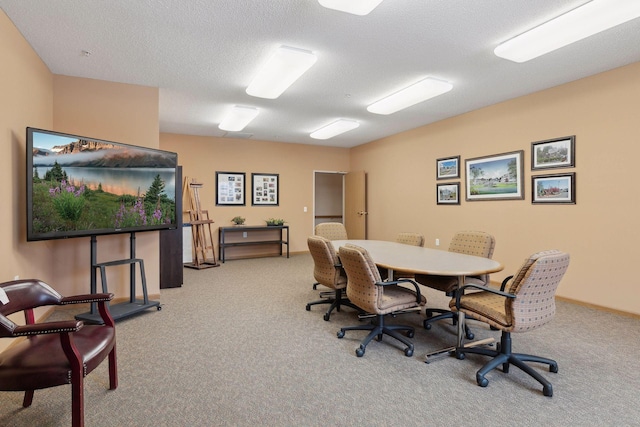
(460, 292)
(101, 299)
(397, 282)
(48, 328)
(78, 299)
(505, 281)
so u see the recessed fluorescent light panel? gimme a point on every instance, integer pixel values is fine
(283, 68)
(238, 118)
(356, 7)
(582, 22)
(334, 129)
(414, 94)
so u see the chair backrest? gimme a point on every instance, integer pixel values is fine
(415, 239)
(362, 274)
(477, 243)
(25, 294)
(331, 230)
(535, 287)
(325, 261)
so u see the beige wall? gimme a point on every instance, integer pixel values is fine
(27, 100)
(201, 157)
(600, 231)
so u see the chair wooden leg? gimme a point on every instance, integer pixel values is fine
(77, 380)
(77, 400)
(28, 398)
(113, 369)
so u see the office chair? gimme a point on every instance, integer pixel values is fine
(54, 353)
(527, 304)
(328, 272)
(330, 231)
(476, 243)
(366, 290)
(414, 239)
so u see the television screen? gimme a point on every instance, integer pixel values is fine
(78, 186)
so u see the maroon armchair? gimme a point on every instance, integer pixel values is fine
(54, 353)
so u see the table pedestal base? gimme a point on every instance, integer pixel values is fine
(451, 350)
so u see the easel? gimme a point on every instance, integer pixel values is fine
(204, 255)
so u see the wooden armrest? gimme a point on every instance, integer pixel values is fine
(48, 328)
(78, 299)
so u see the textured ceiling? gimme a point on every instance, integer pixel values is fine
(202, 54)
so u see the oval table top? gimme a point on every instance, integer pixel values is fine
(420, 260)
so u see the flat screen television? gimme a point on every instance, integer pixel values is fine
(79, 186)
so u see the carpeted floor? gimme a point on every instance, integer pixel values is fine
(234, 346)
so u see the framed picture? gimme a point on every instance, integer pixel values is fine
(230, 188)
(448, 167)
(497, 177)
(554, 188)
(553, 153)
(448, 194)
(264, 189)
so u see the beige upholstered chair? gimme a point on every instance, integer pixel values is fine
(477, 243)
(331, 230)
(328, 272)
(366, 290)
(528, 303)
(414, 239)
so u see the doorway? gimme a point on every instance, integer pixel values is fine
(328, 202)
(341, 197)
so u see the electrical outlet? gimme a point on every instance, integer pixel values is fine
(437, 242)
(244, 234)
(304, 209)
(16, 278)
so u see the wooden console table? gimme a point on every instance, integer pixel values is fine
(252, 241)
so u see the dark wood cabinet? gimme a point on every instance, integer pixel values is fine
(171, 266)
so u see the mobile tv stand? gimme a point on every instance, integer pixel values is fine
(123, 309)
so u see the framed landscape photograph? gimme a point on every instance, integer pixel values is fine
(448, 194)
(556, 188)
(448, 167)
(264, 189)
(553, 153)
(497, 177)
(230, 188)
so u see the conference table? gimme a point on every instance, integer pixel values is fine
(420, 260)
